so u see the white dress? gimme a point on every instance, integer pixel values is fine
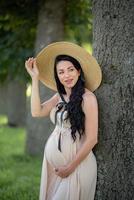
(81, 184)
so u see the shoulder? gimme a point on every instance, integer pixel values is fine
(56, 95)
(55, 98)
(89, 100)
(88, 95)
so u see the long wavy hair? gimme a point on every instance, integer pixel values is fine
(74, 106)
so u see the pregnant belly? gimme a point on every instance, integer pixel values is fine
(53, 155)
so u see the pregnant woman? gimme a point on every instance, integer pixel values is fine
(69, 168)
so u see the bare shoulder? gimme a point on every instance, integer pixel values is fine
(51, 102)
(89, 95)
(89, 100)
(55, 98)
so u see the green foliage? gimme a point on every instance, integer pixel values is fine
(18, 22)
(79, 21)
(17, 33)
(19, 172)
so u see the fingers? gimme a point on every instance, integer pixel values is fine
(29, 64)
(31, 67)
(62, 175)
(55, 169)
(34, 63)
(29, 61)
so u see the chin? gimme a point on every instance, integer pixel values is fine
(70, 86)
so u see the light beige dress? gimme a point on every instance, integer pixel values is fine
(81, 184)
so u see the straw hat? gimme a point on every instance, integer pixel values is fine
(45, 63)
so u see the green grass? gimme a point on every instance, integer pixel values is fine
(19, 172)
(3, 120)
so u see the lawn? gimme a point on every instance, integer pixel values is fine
(19, 173)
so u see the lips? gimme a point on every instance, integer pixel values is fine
(69, 81)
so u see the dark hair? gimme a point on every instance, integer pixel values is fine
(74, 107)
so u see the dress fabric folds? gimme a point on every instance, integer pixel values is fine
(59, 150)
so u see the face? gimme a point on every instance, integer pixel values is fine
(67, 73)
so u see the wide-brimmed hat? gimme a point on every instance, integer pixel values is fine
(46, 58)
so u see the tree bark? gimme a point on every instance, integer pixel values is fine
(50, 29)
(13, 102)
(3, 99)
(113, 46)
(16, 103)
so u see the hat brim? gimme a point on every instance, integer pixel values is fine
(46, 58)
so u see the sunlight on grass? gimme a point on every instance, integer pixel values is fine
(28, 91)
(3, 119)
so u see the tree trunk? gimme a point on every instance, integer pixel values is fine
(16, 103)
(113, 46)
(50, 29)
(3, 99)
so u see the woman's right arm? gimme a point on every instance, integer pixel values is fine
(38, 109)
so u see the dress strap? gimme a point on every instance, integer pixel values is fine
(61, 104)
(59, 142)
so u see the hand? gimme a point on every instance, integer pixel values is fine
(31, 68)
(63, 171)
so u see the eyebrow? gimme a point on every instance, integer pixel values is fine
(67, 68)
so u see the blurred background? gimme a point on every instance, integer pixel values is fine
(105, 29)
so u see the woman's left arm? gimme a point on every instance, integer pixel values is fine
(90, 108)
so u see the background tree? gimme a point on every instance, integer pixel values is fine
(17, 32)
(113, 46)
(50, 28)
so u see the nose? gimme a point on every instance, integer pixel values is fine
(66, 75)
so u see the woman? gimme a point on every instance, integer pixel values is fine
(69, 170)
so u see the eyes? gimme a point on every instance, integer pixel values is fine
(69, 70)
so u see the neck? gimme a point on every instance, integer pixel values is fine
(68, 92)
